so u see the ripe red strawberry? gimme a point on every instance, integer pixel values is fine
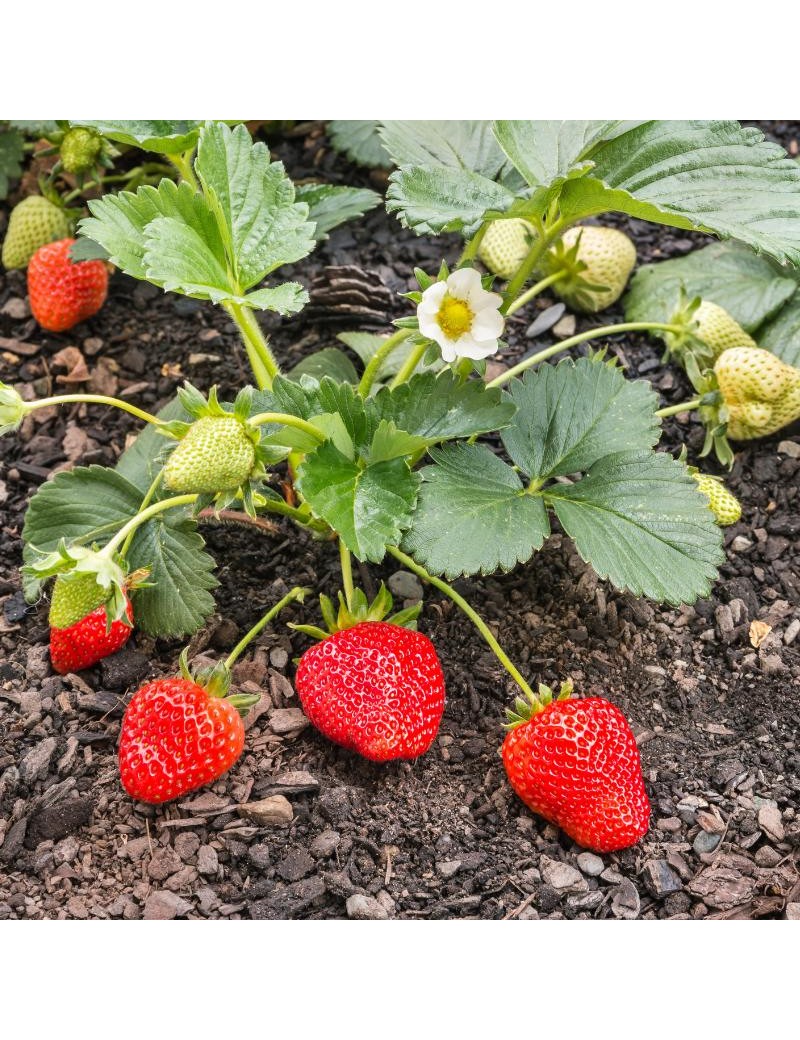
(176, 736)
(62, 293)
(375, 688)
(576, 763)
(88, 640)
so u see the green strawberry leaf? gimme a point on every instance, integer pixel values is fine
(11, 156)
(474, 514)
(86, 249)
(391, 443)
(369, 506)
(749, 287)
(309, 398)
(254, 202)
(330, 205)
(451, 143)
(330, 361)
(570, 415)
(92, 504)
(216, 244)
(167, 137)
(707, 175)
(359, 140)
(639, 520)
(781, 334)
(438, 407)
(141, 460)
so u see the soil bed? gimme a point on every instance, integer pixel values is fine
(444, 837)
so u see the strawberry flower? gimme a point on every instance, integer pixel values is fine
(461, 316)
(12, 408)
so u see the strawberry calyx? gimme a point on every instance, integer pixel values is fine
(714, 413)
(216, 681)
(12, 408)
(693, 353)
(562, 259)
(525, 708)
(358, 611)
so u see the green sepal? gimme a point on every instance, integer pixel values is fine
(714, 414)
(406, 323)
(216, 681)
(176, 429)
(12, 409)
(358, 611)
(414, 296)
(531, 704)
(424, 281)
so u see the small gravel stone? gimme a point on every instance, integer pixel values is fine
(771, 822)
(705, 842)
(790, 448)
(325, 844)
(259, 856)
(590, 864)
(275, 811)
(286, 722)
(670, 824)
(365, 908)
(660, 879)
(207, 860)
(448, 867)
(35, 764)
(562, 877)
(278, 658)
(625, 903)
(405, 585)
(165, 906)
(165, 861)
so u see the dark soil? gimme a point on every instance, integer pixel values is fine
(444, 837)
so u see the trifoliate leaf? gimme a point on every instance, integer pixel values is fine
(749, 287)
(369, 506)
(92, 504)
(438, 407)
(452, 143)
(330, 361)
(640, 521)
(430, 200)
(474, 514)
(572, 414)
(391, 443)
(359, 140)
(330, 205)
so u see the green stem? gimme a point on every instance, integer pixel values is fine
(288, 420)
(411, 363)
(262, 360)
(474, 617)
(528, 265)
(471, 248)
(296, 593)
(113, 402)
(676, 409)
(143, 505)
(378, 358)
(183, 164)
(347, 573)
(534, 290)
(145, 515)
(557, 348)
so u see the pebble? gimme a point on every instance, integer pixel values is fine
(165, 861)
(165, 906)
(565, 327)
(625, 904)
(590, 864)
(325, 844)
(365, 908)
(562, 877)
(660, 879)
(287, 721)
(587, 901)
(705, 842)
(766, 856)
(770, 821)
(274, 811)
(405, 585)
(448, 867)
(259, 856)
(670, 824)
(740, 543)
(207, 860)
(278, 658)
(37, 665)
(792, 632)
(35, 764)
(790, 448)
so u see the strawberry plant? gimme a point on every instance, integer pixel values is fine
(419, 458)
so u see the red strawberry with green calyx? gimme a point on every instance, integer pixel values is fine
(180, 733)
(576, 763)
(372, 686)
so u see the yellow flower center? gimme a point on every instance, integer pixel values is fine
(454, 317)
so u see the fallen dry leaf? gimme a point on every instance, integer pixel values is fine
(74, 362)
(759, 630)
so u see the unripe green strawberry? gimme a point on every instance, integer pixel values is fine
(79, 149)
(33, 223)
(596, 263)
(74, 596)
(216, 454)
(724, 505)
(505, 245)
(718, 330)
(761, 392)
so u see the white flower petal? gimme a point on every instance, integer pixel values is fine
(462, 283)
(487, 324)
(448, 349)
(480, 299)
(466, 346)
(428, 325)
